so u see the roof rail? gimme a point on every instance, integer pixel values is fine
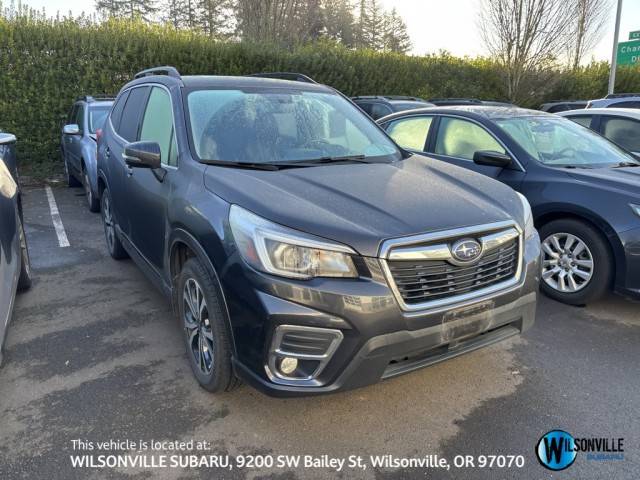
(622, 95)
(166, 70)
(96, 98)
(467, 100)
(296, 77)
(404, 97)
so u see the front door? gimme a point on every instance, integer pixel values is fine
(149, 191)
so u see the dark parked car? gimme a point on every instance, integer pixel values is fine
(583, 189)
(78, 144)
(377, 106)
(303, 250)
(556, 106)
(616, 100)
(15, 269)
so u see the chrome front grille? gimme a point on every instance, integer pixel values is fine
(424, 273)
(427, 280)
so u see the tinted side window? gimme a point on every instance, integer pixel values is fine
(378, 110)
(410, 133)
(157, 124)
(132, 113)
(116, 113)
(461, 139)
(584, 120)
(623, 131)
(366, 106)
(632, 104)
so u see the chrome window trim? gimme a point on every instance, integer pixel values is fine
(472, 120)
(457, 300)
(275, 352)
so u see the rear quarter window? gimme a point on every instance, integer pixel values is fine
(132, 113)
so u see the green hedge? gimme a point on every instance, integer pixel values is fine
(45, 65)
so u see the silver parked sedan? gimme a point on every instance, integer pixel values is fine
(15, 269)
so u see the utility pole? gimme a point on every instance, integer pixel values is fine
(614, 55)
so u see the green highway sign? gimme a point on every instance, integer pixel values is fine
(629, 53)
(634, 35)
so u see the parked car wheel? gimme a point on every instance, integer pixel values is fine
(116, 250)
(24, 282)
(94, 203)
(71, 180)
(206, 335)
(576, 262)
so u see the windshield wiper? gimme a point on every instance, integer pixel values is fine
(247, 165)
(626, 164)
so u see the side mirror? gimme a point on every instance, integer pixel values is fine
(142, 155)
(491, 158)
(71, 129)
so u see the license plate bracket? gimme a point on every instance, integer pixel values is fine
(465, 322)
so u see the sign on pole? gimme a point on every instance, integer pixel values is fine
(629, 53)
(635, 35)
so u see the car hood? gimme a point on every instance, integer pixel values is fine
(624, 180)
(361, 205)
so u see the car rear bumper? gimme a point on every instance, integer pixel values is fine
(378, 340)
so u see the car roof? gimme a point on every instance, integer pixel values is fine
(223, 81)
(489, 112)
(618, 112)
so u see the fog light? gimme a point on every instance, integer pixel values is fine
(288, 365)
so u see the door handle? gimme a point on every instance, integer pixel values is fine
(107, 152)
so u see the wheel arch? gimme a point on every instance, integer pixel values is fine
(182, 246)
(598, 223)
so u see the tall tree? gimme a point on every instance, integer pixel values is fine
(526, 37)
(272, 21)
(132, 9)
(371, 25)
(396, 37)
(216, 17)
(339, 22)
(589, 24)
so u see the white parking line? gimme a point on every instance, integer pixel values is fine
(63, 241)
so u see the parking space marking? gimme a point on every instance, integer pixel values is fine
(63, 241)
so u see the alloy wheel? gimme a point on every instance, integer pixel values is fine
(197, 326)
(567, 263)
(109, 228)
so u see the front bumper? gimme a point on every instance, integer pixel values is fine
(628, 265)
(379, 339)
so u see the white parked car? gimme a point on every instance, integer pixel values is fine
(620, 125)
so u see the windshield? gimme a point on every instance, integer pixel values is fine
(97, 116)
(273, 125)
(561, 142)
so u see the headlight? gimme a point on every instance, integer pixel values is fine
(529, 228)
(635, 208)
(272, 248)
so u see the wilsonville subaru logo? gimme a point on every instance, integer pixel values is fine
(556, 450)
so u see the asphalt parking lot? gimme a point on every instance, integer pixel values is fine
(94, 353)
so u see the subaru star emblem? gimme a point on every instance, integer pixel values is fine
(466, 250)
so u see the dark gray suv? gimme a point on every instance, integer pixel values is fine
(303, 250)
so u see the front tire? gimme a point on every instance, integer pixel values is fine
(577, 264)
(92, 201)
(114, 246)
(206, 335)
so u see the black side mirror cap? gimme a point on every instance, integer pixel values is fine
(143, 155)
(492, 159)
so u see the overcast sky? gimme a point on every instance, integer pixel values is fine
(433, 24)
